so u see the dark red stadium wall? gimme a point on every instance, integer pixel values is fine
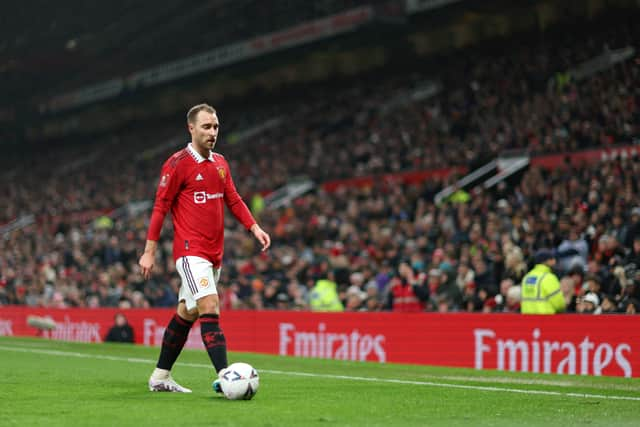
(414, 177)
(575, 344)
(585, 157)
(549, 161)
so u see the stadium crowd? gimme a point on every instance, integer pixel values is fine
(456, 256)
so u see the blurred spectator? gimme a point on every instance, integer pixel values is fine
(588, 304)
(514, 296)
(608, 305)
(372, 302)
(407, 293)
(499, 303)
(515, 266)
(632, 306)
(633, 256)
(634, 226)
(470, 299)
(576, 243)
(298, 295)
(465, 276)
(355, 299)
(569, 293)
(282, 301)
(121, 331)
(592, 285)
(445, 294)
(324, 296)
(541, 293)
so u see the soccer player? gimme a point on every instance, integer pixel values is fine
(195, 183)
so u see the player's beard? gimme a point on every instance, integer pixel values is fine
(208, 144)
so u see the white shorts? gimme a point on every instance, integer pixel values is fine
(199, 279)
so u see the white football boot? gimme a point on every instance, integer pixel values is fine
(166, 383)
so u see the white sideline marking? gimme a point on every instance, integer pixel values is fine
(338, 377)
(511, 381)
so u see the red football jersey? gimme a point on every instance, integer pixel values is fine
(194, 188)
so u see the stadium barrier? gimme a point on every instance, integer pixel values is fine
(570, 344)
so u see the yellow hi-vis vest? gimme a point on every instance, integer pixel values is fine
(324, 297)
(541, 293)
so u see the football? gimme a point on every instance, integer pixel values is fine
(240, 381)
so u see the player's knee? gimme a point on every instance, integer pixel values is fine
(208, 305)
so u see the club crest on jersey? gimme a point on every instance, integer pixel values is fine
(222, 173)
(164, 180)
(204, 282)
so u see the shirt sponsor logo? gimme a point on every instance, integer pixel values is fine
(200, 197)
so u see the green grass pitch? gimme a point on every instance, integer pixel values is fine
(48, 383)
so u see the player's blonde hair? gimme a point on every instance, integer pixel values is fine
(193, 111)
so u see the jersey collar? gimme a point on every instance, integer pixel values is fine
(197, 156)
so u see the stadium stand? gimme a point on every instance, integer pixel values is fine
(123, 36)
(73, 233)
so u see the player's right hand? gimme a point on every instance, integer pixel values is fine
(146, 264)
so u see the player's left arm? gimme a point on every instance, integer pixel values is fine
(239, 209)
